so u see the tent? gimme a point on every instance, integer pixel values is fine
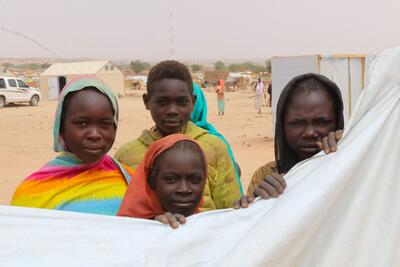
(53, 80)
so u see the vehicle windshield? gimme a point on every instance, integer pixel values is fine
(22, 84)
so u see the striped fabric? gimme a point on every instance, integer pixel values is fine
(66, 184)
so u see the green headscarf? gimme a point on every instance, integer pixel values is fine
(199, 118)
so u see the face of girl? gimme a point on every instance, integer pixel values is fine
(179, 180)
(170, 104)
(88, 128)
(309, 117)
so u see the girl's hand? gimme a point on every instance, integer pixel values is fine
(271, 186)
(174, 220)
(329, 143)
(243, 202)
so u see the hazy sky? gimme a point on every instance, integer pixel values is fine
(203, 29)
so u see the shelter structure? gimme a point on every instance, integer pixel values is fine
(53, 80)
(6, 72)
(349, 72)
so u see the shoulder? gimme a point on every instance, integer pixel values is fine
(264, 170)
(212, 143)
(131, 153)
(259, 174)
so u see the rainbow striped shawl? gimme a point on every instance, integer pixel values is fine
(66, 184)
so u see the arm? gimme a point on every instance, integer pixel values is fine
(224, 186)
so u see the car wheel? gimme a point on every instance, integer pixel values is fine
(2, 101)
(34, 100)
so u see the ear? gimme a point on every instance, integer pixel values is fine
(152, 183)
(151, 177)
(146, 100)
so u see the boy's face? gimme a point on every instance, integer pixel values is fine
(309, 117)
(88, 126)
(179, 181)
(170, 105)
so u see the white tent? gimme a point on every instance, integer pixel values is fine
(53, 80)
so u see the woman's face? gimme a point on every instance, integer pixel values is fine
(179, 181)
(88, 127)
(309, 117)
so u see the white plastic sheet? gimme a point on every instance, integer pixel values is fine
(342, 209)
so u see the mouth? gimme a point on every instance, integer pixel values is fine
(184, 204)
(172, 123)
(94, 149)
(310, 148)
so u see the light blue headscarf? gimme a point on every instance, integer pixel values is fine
(77, 85)
(199, 117)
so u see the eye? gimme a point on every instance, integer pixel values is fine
(196, 179)
(183, 102)
(107, 124)
(296, 123)
(81, 124)
(323, 122)
(169, 179)
(162, 102)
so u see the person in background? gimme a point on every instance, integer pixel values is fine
(260, 95)
(220, 90)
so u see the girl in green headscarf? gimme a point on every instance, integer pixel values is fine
(83, 177)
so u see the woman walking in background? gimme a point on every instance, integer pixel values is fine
(220, 90)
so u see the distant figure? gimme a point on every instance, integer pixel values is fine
(260, 95)
(220, 90)
(269, 90)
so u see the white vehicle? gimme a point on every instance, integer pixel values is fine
(15, 90)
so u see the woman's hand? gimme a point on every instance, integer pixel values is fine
(174, 220)
(271, 186)
(329, 143)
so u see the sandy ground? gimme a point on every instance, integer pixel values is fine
(26, 140)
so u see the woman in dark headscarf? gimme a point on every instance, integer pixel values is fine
(309, 118)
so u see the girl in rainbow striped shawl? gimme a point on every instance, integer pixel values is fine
(83, 177)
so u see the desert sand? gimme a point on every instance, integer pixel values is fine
(26, 135)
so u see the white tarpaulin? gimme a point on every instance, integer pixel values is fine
(341, 209)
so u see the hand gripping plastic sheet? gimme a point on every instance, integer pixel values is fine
(341, 209)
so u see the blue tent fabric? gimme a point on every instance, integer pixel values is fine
(199, 117)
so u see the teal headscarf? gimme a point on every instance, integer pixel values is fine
(77, 85)
(199, 117)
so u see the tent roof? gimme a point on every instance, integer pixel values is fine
(89, 67)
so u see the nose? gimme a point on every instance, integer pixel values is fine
(172, 109)
(310, 132)
(93, 134)
(184, 187)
